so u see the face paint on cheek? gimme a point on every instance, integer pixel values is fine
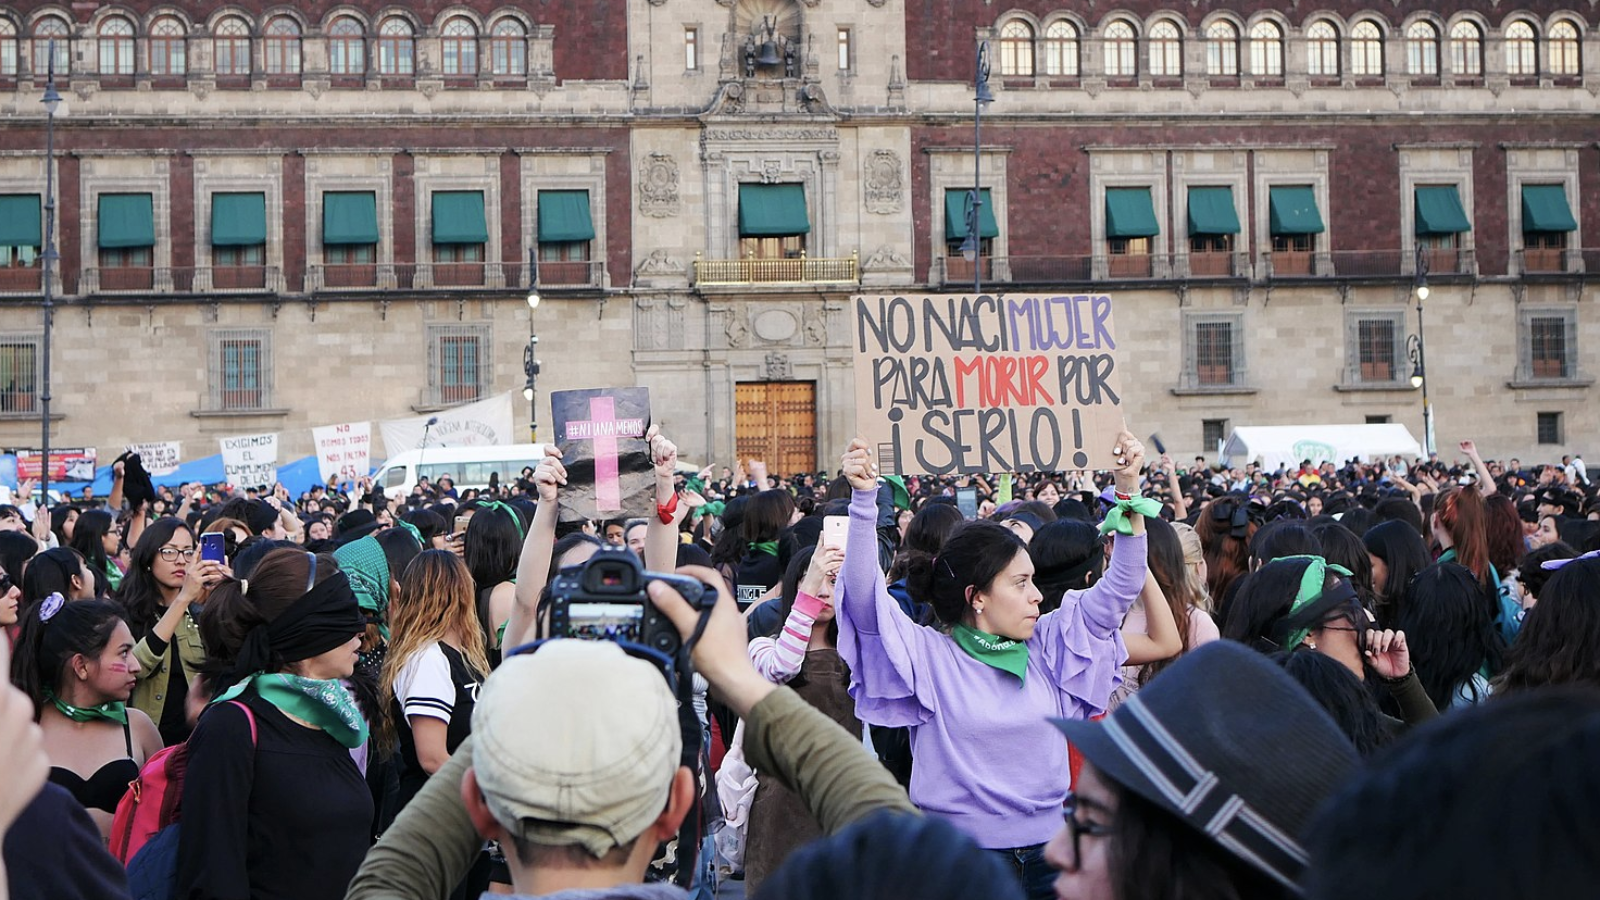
(120, 668)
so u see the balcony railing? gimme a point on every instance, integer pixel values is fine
(181, 279)
(21, 280)
(1555, 261)
(445, 276)
(845, 270)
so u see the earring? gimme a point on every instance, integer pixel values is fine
(978, 608)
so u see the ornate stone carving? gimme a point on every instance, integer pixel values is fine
(775, 135)
(885, 257)
(884, 174)
(659, 264)
(771, 171)
(816, 328)
(737, 330)
(776, 367)
(658, 186)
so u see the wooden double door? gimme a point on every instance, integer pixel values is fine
(776, 422)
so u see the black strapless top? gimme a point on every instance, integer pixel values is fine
(104, 789)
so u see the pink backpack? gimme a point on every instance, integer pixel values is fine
(153, 801)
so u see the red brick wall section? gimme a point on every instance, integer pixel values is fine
(69, 213)
(940, 33)
(404, 212)
(180, 188)
(591, 38)
(512, 248)
(294, 222)
(1048, 171)
(619, 216)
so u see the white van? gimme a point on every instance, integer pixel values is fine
(468, 467)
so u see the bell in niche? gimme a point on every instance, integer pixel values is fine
(768, 56)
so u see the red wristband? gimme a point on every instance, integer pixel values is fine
(1120, 495)
(664, 511)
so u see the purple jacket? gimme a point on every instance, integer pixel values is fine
(987, 758)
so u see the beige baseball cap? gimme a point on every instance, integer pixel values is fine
(576, 744)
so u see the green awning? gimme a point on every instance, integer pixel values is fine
(773, 210)
(1211, 211)
(238, 220)
(1544, 208)
(349, 217)
(1293, 210)
(1130, 214)
(1439, 210)
(19, 220)
(564, 217)
(458, 218)
(955, 215)
(126, 220)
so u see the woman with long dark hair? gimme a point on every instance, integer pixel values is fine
(1225, 529)
(98, 537)
(493, 543)
(1396, 553)
(59, 570)
(977, 691)
(76, 661)
(1460, 535)
(1449, 617)
(1194, 625)
(759, 569)
(166, 579)
(273, 803)
(63, 522)
(1342, 695)
(927, 532)
(1560, 639)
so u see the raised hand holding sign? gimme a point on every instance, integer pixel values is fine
(601, 433)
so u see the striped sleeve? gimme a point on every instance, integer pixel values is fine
(424, 687)
(779, 659)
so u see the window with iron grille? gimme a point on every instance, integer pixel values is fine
(1212, 433)
(1548, 355)
(1213, 351)
(1549, 428)
(459, 363)
(19, 373)
(240, 369)
(1375, 347)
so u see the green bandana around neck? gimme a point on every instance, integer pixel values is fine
(325, 704)
(1117, 516)
(108, 712)
(991, 650)
(770, 548)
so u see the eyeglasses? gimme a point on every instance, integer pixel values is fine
(1078, 829)
(171, 554)
(5, 584)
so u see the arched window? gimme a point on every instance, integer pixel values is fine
(396, 48)
(1466, 49)
(8, 47)
(1422, 49)
(169, 47)
(1322, 46)
(1166, 50)
(1121, 60)
(459, 47)
(1266, 49)
(230, 47)
(1366, 49)
(1016, 48)
(283, 46)
(508, 48)
(46, 30)
(116, 46)
(1564, 49)
(347, 48)
(1522, 50)
(1061, 48)
(1222, 48)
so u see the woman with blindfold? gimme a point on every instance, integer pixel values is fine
(273, 804)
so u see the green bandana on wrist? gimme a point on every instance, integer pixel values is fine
(108, 712)
(991, 650)
(1117, 516)
(768, 547)
(325, 704)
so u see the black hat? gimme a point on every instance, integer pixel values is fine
(354, 525)
(1229, 743)
(260, 516)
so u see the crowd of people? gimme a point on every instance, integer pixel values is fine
(1147, 682)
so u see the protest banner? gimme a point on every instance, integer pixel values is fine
(250, 460)
(343, 451)
(968, 385)
(159, 458)
(601, 436)
(486, 423)
(66, 464)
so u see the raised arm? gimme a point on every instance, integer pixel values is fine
(661, 538)
(1160, 638)
(533, 566)
(1486, 483)
(1180, 503)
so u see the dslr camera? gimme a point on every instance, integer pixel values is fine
(604, 600)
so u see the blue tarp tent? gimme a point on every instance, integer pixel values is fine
(297, 476)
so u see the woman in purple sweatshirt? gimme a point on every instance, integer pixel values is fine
(977, 691)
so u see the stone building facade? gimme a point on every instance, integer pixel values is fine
(274, 217)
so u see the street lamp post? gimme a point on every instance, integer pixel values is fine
(51, 101)
(970, 248)
(530, 365)
(1416, 349)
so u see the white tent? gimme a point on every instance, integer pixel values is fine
(1287, 445)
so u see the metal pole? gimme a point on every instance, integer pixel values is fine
(974, 231)
(1422, 361)
(50, 100)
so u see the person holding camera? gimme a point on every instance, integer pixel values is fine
(977, 690)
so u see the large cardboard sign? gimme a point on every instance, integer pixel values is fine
(968, 385)
(343, 451)
(601, 436)
(66, 464)
(250, 460)
(159, 458)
